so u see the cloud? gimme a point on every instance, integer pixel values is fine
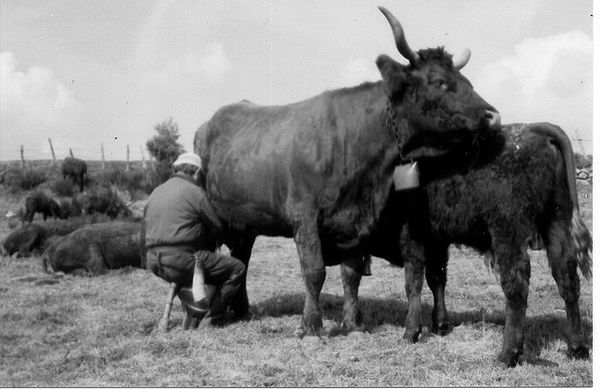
(357, 71)
(32, 104)
(543, 80)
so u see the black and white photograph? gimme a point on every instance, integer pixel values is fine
(297, 193)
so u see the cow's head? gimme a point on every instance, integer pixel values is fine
(432, 106)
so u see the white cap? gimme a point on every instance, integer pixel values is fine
(189, 158)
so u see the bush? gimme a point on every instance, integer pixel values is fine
(17, 179)
(156, 175)
(63, 187)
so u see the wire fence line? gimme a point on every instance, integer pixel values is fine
(136, 152)
(139, 153)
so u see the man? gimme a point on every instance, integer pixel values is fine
(181, 236)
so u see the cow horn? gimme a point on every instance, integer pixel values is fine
(399, 37)
(460, 61)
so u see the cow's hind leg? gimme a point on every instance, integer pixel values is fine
(563, 263)
(513, 260)
(436, 268)
(241, 249)
(351, 274)
(414, 261)
(312, 265)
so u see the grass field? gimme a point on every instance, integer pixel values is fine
(77, 331)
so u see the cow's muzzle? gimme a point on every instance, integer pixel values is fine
(492, 119)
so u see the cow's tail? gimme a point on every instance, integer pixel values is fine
(582, 240)
(580, 235)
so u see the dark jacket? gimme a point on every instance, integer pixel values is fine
(179, 214)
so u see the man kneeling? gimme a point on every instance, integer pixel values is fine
(181, 239)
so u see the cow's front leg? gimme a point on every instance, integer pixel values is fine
(351, 274)
(312, 266)
(436, 268)
(515, 270)
(414, 261)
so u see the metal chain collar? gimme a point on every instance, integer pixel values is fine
(392, 123)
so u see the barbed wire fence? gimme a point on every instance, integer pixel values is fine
(22, 154)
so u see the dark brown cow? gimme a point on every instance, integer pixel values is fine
(497, 207)
(106, 201)
(321, 170)
(76, 170)
(97, 248)
(40, 203)
(33, 238)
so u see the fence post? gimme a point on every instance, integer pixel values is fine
(52, 150)
(102, 152)
(22, 158)
(127, 165)
(71, 153)
(580, 143)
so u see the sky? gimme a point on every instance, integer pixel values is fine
(92, 73)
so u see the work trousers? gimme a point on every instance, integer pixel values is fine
(173, 265)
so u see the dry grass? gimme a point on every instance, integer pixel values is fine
(75, 331)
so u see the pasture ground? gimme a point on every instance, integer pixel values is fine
(79, 331)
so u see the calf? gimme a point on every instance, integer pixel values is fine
(97, 248)
(528, 188)
(40, 203)
(104, 202)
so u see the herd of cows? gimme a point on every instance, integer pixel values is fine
(321, 172)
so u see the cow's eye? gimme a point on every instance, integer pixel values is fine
(442, 84)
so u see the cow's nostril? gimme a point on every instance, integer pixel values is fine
(493, 119)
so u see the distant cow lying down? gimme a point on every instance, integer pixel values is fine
(34, 238)
(97, 248)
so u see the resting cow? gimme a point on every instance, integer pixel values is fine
(97, 248)
(76, 170)
(33, 238)
(528, 188)
(320, 170)
(40, 203)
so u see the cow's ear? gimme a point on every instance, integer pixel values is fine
(393, 73)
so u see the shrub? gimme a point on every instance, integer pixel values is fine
(63, 187)
(159, 173)
(16, 179)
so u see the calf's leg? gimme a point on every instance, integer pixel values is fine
(436, 268)
(414, 260)
(351, 271)
(511, 254)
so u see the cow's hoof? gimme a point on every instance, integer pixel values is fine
(441, 330)
(510, 358)
(580, 352)
(302, 332)
(163, 325)
(412, 336)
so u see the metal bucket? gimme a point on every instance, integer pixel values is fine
(406, 176)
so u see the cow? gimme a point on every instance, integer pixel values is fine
(102, 202)
(33, 238)
(76, 170)
(96, 248)
(496, 207)
(40, 203)
(320, 170)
